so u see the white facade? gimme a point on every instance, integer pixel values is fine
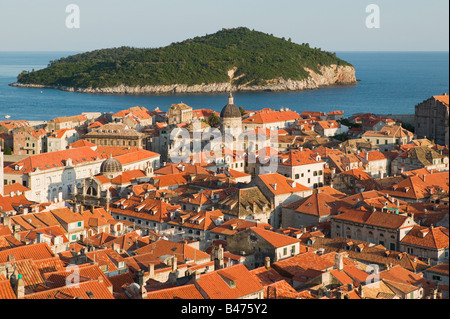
(309, 175)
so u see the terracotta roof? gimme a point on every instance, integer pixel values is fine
(182, 168)
(14, 188)
(150, 209)
(30, 273)
(202, 220)
(269, 116)
(401, 275)
(79, 273)
(444, 99)
(217, 284)
(267, 276)
(328, 124)
(9, 204)
(105, 257)
(390, 131)
(281, 290)
(275, 239)
(278, 184)
(93, 289)
(51, 231)
(120, 280)
(35, 252)
(183, 292)
(419, 187)
(297, 266)
(318, 204)
(6, 291)
(51, 160)
(75, 118)
(439, 269)
(180, 250)
(373, 156)
(296, 158)
(81, 143)
(235, 225)
(435, 238)
(379, 219)
(128, 241)
(170, 180)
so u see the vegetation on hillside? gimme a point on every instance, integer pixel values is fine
(258, 57)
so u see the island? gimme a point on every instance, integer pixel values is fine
(237, 59)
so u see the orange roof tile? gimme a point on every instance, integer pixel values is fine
(183, 292)
(35, 252)
(279, 184)
(93, 289)
(444, 99)
(435, 238)
(269, 116)
(275, 239)
(217, 284)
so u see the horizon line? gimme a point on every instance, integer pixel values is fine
(337, 51)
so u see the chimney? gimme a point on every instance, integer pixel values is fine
(267, 262)
(151, 271)
(340, 294)
(18, 285)
(174, 264)
(140, 278)
(196, 275)
(339, 262)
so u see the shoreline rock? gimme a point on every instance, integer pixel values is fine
(331, 75)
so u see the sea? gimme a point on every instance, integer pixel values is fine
(388, 83)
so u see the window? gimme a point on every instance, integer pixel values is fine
(392, 246)
(284, 251)
(410, 251)
(74, 237)
(79, 224)
(297, 176)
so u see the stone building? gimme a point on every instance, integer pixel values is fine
(389, 137)
(419, 157)
(249, 203)
(28, 141)
(257, 244)
(231, 124)
(116, 134)
(431, 119)
(180, 113)
(386, 228)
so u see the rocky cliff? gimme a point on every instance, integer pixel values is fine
(330, 75)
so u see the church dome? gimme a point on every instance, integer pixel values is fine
(230, 110)
(111, 165)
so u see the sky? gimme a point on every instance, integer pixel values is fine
(332, 25)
